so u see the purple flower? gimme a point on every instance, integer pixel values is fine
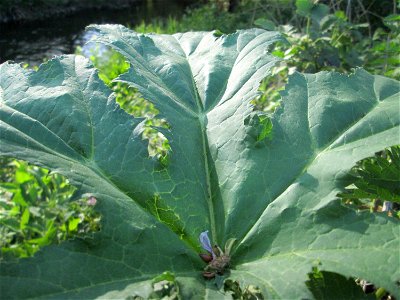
(205, 242)
(387, 206)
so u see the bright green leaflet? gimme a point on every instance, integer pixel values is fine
(276, 195)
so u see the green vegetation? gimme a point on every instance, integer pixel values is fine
(320, 37)
(38, 208)
(35, 209)
(376, 178)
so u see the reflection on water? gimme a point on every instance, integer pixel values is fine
(34, 42)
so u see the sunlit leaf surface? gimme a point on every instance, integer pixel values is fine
(272, 188)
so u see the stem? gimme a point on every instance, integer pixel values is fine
(348, 10)
(202, 117)
(385, 65)
(365, 12)
(207, 171)
(308, 26)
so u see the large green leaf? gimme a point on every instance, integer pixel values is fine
(275, 193)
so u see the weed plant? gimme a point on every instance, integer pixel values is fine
(36, 209)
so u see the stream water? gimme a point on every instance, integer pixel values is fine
(33, 42)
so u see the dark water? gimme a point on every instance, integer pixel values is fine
(35, 41)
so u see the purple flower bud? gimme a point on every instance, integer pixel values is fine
(205, 242)
(91, 201)
(387, 206)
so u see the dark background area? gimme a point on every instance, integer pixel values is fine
(33, 40)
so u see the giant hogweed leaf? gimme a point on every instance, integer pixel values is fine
(63, 117)
(277, 196)
(191, 87)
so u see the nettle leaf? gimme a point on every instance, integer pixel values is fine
(377, 177)
(269, 182)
